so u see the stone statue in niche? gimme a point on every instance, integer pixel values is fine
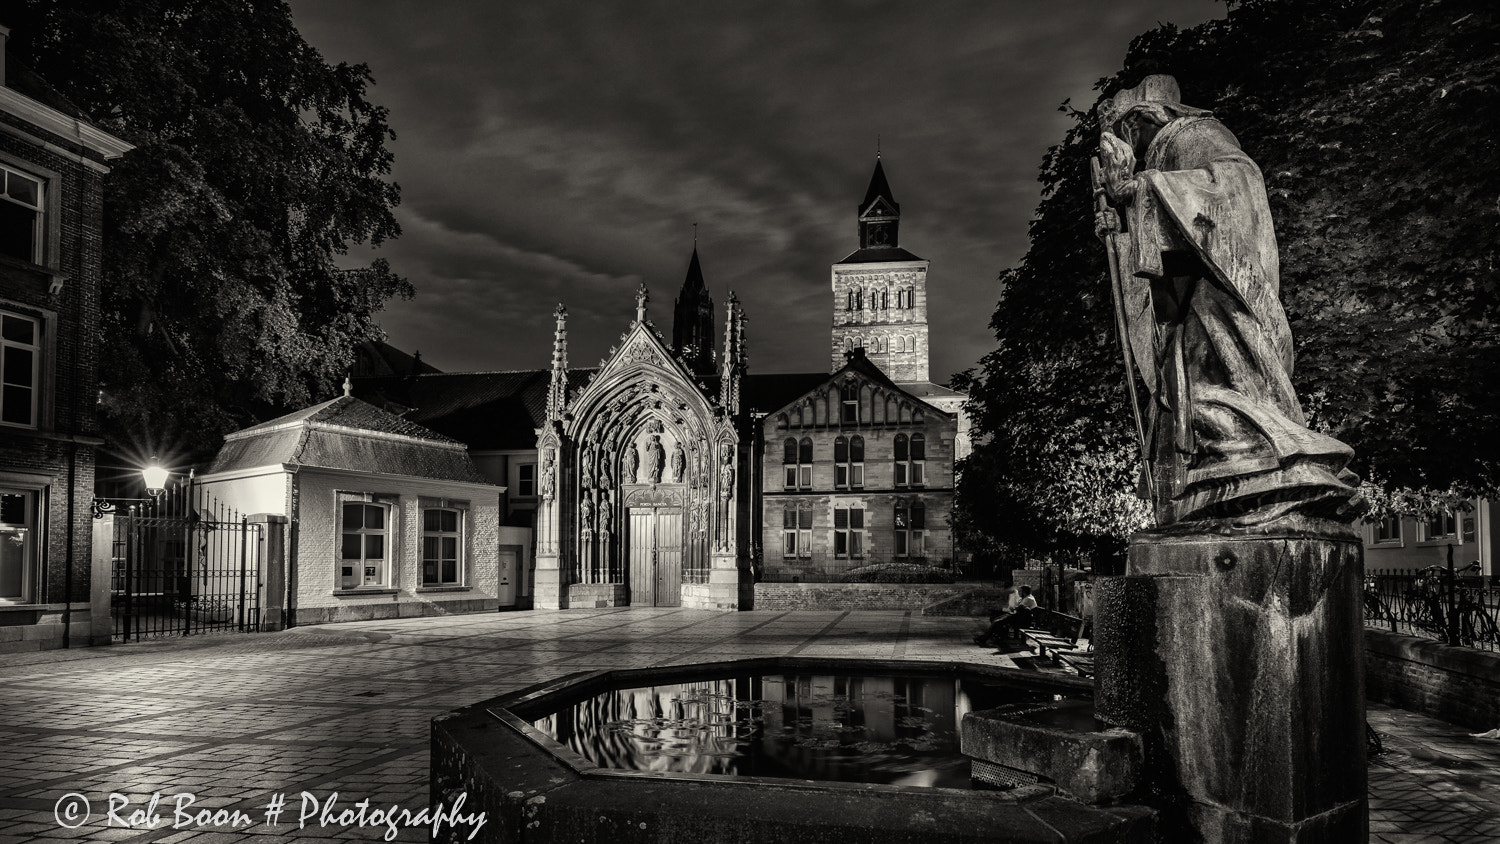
(604, 515)
(588, 466)
(586, 514)
(705, 463)
(726, 472)
(679, 462)
(632, 462)
(606, 475)
(651, 462)
(1196, 281)
(549, 475)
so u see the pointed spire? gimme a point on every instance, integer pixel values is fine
(879, 188)
(557, 390)
(641, 298)
(693, 319)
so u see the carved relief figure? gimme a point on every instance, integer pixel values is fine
(586, 514)
(588, 466)
(549, 476)
(604, 515)
(1196, 280)
(705, 465)
(632, 461)
(679, 462)
(606, 475)
(726, 472)
(652, 461)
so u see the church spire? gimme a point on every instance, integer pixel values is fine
(557, 390)
(879, 213)
(693, 320)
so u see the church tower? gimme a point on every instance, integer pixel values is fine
(880, 292)
(693, 321)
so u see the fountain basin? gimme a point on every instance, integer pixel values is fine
(536, 788)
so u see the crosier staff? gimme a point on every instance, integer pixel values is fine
(1107, 227)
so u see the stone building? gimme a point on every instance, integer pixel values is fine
(662, 477)
(392, 519)
(52, 169)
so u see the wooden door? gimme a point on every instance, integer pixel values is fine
(655, 544)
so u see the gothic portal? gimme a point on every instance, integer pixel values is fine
(641, 482)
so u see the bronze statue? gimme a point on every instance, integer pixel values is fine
(1196, 282)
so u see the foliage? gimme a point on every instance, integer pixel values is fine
(898, 573)
(257, 163)
(1366, 118)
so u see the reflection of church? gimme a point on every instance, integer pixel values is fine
(671, 476)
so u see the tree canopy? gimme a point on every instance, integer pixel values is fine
(257, 164)
(1372, 121)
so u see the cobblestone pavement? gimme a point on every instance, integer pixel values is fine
(236, 720)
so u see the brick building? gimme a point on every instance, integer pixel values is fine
(572, 445)
(52, 164)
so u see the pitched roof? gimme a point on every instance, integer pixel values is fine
(487, 410)
(879, 254)
(348, 433)
(377, 357)
(879, 188)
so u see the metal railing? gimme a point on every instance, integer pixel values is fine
(1460, 608)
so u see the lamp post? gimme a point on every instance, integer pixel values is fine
(155, 478)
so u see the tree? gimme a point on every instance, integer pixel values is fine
(256, 165)
(1365, 117)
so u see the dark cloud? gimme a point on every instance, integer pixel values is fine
(561, 151)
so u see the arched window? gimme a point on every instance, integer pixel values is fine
(885, 302)
(911, 457)
(849, 400)
(796, 463)
(911, 524)
(840, 463)
(900, 343)
(857, 462)
(849, 300)
(859, 299)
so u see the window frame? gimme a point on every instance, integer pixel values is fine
(46, 252)
(387, 579)
(1445, 537)
(910, 529)
(849, 541)
(1395, 538)
(33, 492)
(37, 348)
(523, 483)
(458, 535)
(796, 533)
(797, 474)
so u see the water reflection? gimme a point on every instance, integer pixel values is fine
(877, 729)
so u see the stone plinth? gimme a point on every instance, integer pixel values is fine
(597, 595)
(1239, 660)
(1062, 743)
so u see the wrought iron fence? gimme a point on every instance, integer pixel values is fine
(1460, 609)
(183, 564)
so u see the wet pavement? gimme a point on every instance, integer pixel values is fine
(237, 722)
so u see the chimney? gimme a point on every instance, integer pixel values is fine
(4, 37)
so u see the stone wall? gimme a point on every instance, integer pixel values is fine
(853, 596)
(1459, 685)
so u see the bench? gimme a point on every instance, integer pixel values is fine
(1053, 640)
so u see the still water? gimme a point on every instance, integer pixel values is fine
(897, 730)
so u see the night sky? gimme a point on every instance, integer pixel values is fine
(561, 151)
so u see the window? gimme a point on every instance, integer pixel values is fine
(848, 532)
(911, 455)
(1388, 529)
(18, 515)
(796, 463)
(20, 216)
(849, 463)
(911, 524)
(1440, 527)
(526, 486)
(885, 301)
(363, 545)
(20, 369)
(797, 533)
(442, 541)
(849, 395)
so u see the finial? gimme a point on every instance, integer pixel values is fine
(641, 298)
(695, 235)
(877, 146)
(348, 386)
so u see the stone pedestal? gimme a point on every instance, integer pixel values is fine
(1239, 660)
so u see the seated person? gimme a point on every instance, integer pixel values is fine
(1005, 623)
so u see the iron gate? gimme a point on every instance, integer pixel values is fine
(183, 564)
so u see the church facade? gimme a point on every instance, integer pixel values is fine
(672, 476)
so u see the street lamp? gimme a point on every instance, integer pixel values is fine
(155, 478)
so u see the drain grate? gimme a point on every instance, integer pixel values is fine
(1000, 776)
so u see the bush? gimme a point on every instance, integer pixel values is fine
(898, 573)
